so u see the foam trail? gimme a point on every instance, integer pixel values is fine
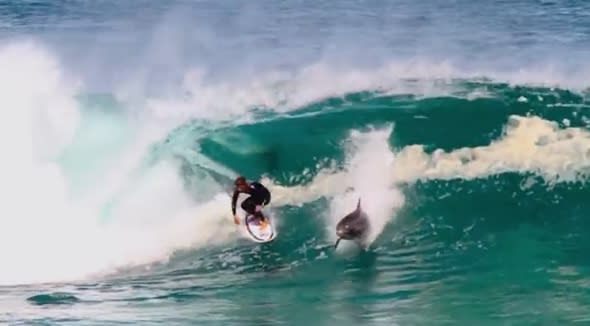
(529, 144)
(327, 182)
(38, 109)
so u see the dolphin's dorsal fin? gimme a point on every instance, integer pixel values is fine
(358, 205)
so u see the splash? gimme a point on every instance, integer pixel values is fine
(40, 120)
(368, 177)
(366, 174)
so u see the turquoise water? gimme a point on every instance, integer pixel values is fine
(462, 126)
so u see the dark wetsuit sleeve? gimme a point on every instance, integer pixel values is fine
(234, 199)
(266, 197)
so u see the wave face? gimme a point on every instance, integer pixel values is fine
(466, 135)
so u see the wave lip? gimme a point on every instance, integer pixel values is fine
(367, 175)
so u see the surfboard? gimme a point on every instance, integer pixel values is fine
(254, 229)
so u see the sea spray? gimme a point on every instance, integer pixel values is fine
(367, 177)
(52, 231)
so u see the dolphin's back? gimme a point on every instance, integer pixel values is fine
(354, 226)
(357, 223)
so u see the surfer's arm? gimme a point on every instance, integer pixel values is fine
(266, 197)
(234, 199)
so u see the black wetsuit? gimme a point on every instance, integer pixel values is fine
(259, 195)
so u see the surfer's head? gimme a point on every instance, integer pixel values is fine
(241, 183)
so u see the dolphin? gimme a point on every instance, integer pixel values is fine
(354, 226)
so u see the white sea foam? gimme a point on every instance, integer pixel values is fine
(51, 232)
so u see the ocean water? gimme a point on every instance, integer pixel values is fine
(462, 125)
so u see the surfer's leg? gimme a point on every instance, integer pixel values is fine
(250, 206)
(260, 216)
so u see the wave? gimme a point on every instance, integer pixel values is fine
(98, 183)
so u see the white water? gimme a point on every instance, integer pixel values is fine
(529, 144)
(52, 231)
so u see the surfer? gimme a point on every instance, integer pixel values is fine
(259, 196)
